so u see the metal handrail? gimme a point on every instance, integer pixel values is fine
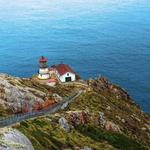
(20, 117)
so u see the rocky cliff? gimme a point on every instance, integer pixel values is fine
(103, 117)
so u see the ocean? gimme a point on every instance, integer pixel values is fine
(94, 37)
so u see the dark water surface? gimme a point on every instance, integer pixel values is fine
(93, 36)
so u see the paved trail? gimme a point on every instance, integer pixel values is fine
(18, 118)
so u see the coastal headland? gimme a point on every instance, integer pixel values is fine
(104, 116)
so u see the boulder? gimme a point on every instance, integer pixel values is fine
(79, 117)
(108, 108)
(57, 97)
(110, 126)
(87, 148)
(17, 97)
(102, 84)
(64, 124)
(12, 139)
(102, 119)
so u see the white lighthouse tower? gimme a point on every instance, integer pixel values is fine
(43, 69)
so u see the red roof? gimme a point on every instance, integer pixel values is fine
(63, 68)
(43, 59)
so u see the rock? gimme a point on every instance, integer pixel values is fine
(123, 120)
(76, 148)
(79, 117)
(16, 97)
(75, 118)
(110, 126)
(118, 117)
(57, 115)
(102, 120)
(148, 135)
(64, 124)
(12, 139)
(137, 119)
(87, 148)
(57, 97)
(102, 84)
(143, 128)
(108, 108)
(147, 126)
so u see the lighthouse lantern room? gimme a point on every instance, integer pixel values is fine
(43, 69)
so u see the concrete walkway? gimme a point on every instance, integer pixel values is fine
(31, 115)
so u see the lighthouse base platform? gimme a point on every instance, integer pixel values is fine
(44, 76)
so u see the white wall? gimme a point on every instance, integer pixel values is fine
(43, 73)
(44, 76)
(68, 74)
(43, 70)
(58, 75)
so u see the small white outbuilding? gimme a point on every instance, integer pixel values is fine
(65, 73)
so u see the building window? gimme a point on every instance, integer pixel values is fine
(67, 74)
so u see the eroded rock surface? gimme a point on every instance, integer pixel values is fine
(16, 97)
(64, 124)
(102, 84)
(12, 139)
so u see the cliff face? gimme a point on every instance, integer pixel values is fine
(16, 97)
(24, 95)
(103, 117)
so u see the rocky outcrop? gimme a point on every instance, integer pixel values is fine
(102, 84)
(64, 124)
(107, 125)
(78, 117)
(57, 97)
(111, 126)
(12, 139)
(87, 148)
(102, 119)
(94, 117)
(19, 98)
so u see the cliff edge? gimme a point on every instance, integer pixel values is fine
(103, 117)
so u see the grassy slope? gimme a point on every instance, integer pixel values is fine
(63, 91)
(45, 133)
(4, 112)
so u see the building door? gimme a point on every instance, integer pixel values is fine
(68, 79)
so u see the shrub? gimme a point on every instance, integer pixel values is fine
(117, 140)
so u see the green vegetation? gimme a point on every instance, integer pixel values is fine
(100, 97)
(46, 134)
(117, 140)
(3, 112)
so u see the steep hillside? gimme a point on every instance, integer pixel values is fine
(103, 117)
(23, 95)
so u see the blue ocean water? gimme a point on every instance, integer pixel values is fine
(94, 37)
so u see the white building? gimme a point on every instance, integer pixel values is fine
(65, 73)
